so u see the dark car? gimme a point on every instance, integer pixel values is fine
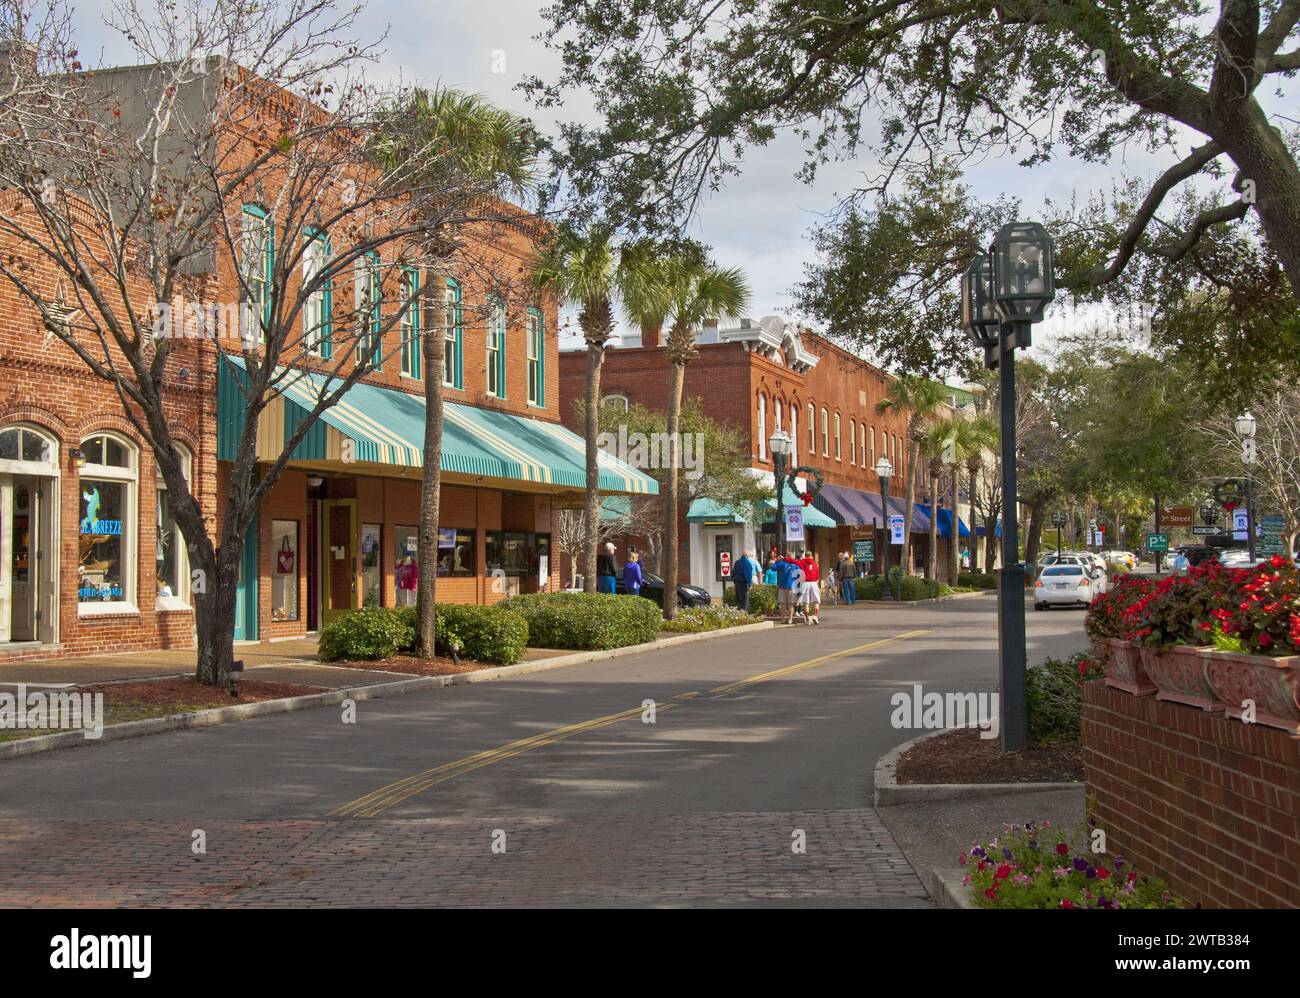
(653, 589)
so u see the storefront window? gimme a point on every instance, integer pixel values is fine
(103, 569)
(284, 571)
(172, 566)
(455, 551)
(371, 575)
(516, 553)
(406, 572)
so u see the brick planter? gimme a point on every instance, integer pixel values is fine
(1204, 801)
(1121, 661)
(1272, 683)
(1179, 674)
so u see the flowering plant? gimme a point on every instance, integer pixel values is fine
(1108, 616)
(1035, 866)
(1260, 608)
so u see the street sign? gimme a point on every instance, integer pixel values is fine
(724, 564)
(1092, 524)
(1239, 525)
(1271, 528)
(1248, 451)
(1157, 542)
(1059, 519)
(794, 523)
(1205, 531)
(1177, 516)
(896, 528)
(864, 551)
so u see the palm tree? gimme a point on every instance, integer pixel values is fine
(582, 268)
(970, 439)
(478, 152)
(921, 399)
(690, 290)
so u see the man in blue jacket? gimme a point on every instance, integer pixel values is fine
(789, 575)
(742, 574)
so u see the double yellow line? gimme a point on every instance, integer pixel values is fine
(374, 803)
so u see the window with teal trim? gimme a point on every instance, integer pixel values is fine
(410, 324)
(319, 306)
(369, 291)
(536, 350)
(496, 348)
(256, 267)
(452, 337)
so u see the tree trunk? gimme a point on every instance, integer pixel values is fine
(1033, 533)
(954, 552)
(991, 537)
(913, 455)
(214, 616)
(932, 555)
(591, 505)
(670, 494)
(431, 473)
(974, 540)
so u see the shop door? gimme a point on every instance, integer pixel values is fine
(246, 589)
(339, 551)
(22, 528)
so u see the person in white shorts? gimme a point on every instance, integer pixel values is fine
(810, 593)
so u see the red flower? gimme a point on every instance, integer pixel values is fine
(1062, 849)
(1265, 639)
(1003, 872)
(1277, 561)
(1065, 903)
(991, 894)
(1102, 873)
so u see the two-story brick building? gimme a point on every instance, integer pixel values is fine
(91, 558)
(759, 376)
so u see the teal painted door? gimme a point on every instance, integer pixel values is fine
(246, 590)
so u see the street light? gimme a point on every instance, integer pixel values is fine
(1245, 427)
(884, 470)
(1021, 284)
(780, 444)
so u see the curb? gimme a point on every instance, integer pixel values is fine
(888, 792)
(947, 890)
(286, 705)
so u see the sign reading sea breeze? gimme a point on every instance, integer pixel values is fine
(864, 551)
(896, 528)
(1157, 542)
(1177, 516)
(794, 523)
(724, 564)
(1271, 540)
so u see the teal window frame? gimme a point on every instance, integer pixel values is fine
(252, 210)
(373, 337)
(453, 374)
(410, 323)
(495, 383)
(536, 365)
(325, 343)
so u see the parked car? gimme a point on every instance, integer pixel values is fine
(1120, 558)
(1070, 585)
(652, 588)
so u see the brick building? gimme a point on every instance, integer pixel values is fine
(759, 376)
(92, 561)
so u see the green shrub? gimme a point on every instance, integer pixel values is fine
(762, 599)
(484, 633)
(374, 632)
(586, 620)
(977, 580)
(868, 587)
(914, 588)
(708, 618)
(1054, 698)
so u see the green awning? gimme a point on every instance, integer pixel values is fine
(812, 516)
(386, 426)
(709, 511)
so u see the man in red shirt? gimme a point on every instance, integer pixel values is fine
(811, 596)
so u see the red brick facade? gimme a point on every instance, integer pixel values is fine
(1208, 803)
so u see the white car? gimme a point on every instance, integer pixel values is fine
(1070, 585)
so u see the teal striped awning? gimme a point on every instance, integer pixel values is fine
(386, 426)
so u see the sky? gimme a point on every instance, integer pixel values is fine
(760, 221)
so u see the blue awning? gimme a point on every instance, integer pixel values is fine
(945, 521)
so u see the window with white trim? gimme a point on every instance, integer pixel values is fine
(536, 346)
(316, 309)
(838, 451)
(107, 490)
(256, 267)
(171, 570)
(762, 427)
(853, 441)
(409, 323)
(496, 355)
(826, 432)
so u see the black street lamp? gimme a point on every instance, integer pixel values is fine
(1245, 427)
(780, 444)
(884, 469)
(1003, 295)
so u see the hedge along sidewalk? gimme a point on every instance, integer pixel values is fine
(887, 791)
(922, 602)
(285, 705)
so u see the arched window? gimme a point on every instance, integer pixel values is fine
(619, 402)
(826, 433)
(172, 564)
(853, 441)
(108, 491)
(812, 430)
(28, 446)
(762, 427)
(838, 450)
(777, 403)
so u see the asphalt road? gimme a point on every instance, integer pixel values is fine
(752, 784)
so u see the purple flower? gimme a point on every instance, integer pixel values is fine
(1119, 862)
(1081, 865)
(1006, 853)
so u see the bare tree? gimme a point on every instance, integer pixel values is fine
(233, 176)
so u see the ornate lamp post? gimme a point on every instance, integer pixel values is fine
(884, 470)
(1245, 427)
(1003, 294)
(780, 444)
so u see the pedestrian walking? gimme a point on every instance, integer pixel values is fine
(810, 595)
(789, 576)
(632, 575)
(742, 574)
(606, 571)
(847, 572)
